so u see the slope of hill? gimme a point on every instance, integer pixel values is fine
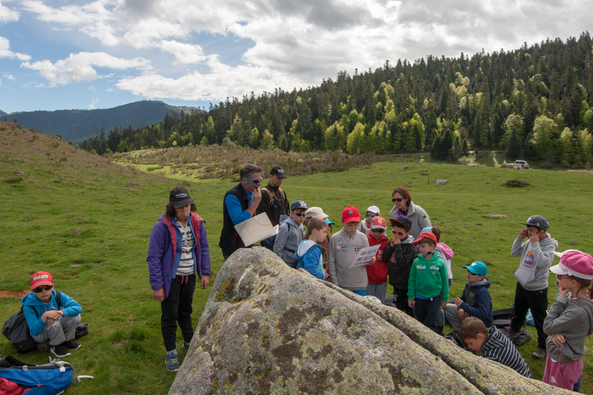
(2, 113)
(78, 125)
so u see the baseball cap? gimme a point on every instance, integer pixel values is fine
(374, 210)
(298, 204)
(315, 212)
(537, 221)
(378, 223)
(477, 267)
(41, 278)
(328, 222)
(179, 197)
(574, 263)
(278, 172)
(425, 235)
(350, 214)
(401, 221)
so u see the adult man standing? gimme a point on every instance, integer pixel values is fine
(274, 202)
(240, 204)
(177, 252)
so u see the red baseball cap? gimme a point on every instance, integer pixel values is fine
(41, 278)
(425, 235)
(350, 214)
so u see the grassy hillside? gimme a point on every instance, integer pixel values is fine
(88, 221)
(78, 125)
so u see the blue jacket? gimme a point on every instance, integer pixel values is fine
(164, 251)
(477, 301)
(34, 309)
(308, 254)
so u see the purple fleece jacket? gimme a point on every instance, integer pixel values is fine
(164, 251)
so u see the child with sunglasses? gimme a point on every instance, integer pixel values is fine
(291, 233)
(48, 321)
(377, 272)
(365, 225)
(400, 254)
(570, 319)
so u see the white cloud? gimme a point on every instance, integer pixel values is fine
(93, 104)
(81, 67)
(184, 53)
(9, 77)
(5, 51)
(7, 15)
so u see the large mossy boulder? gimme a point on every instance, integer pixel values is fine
(269, 329)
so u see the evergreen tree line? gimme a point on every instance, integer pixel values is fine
(534, 102)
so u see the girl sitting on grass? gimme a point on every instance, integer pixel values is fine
(308, 252)
(570, 319)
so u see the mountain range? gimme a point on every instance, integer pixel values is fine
(78, 125)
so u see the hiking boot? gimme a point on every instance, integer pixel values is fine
(511, 335)
(172, 362)
(539, 353)
(60, 351)
(72, 345)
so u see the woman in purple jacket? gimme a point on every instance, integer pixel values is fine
(178, 251)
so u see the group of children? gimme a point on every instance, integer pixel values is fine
(419, 269)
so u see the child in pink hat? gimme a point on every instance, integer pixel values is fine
(570, 319)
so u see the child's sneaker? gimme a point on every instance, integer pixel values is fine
(72, 345)
(172, 362)
(539, 353)
(60, 351)
(185, 345)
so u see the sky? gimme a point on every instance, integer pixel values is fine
(62, 54)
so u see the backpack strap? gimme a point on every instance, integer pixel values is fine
(58, 299)
(269, 194)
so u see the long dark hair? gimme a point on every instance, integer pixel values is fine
(170, 210)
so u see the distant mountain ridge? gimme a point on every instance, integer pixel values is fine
(78, 125)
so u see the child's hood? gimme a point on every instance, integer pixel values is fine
(587, 304)
(408, 240)
(485, 282)
(305, 246)
(288, 219)
(549, 240)
(31, 300)
(446, 250)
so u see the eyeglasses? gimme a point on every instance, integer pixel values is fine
(397, 200)
(299, 214)
(253, 180)
(377, 230)
(395, 232)
(42, 288)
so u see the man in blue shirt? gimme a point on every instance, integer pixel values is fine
(240, 204)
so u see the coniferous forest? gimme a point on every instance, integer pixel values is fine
(534, 102)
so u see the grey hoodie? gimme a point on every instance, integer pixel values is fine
(288, 239)
(536, 259)
(417, 215)
(573, 318)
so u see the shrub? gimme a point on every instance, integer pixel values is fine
(515, 182)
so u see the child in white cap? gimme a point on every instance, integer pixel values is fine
(365, 225)
(570, 319)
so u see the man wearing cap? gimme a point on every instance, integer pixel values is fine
(291, 233)
(274, 201)
(177, 252)
(537, 254)
(240, 203)
(365, 225)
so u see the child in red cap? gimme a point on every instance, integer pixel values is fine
(377, 272)
(343, 249)
(570, 319)
(49, 321)
(428, 281)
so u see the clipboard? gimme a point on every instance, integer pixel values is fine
(255, 229)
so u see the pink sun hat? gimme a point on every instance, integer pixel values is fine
(574, 263)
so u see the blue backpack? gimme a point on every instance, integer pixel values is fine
(49, 379)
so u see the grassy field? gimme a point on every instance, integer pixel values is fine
(88, 222)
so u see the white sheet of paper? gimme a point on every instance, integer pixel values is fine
(365, 255)
(255, 229)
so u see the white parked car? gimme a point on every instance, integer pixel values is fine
(518, 164)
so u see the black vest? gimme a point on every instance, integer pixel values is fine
(230, 241)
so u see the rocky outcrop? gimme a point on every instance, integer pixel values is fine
(269, 329)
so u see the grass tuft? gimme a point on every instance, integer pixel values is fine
(515, 182)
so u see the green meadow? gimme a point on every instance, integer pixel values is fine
(88, 221)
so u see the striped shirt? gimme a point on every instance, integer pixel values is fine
(186, 263)
(499, 348)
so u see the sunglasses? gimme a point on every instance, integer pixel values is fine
(397, 200)
(42, 288)
(253, 180)
(372, 215)
(299, 214)
(395, 232)
(377, 230)
(560, 276)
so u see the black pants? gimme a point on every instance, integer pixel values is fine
(401, 301)
(427, 310)
(537, 301)
(176, 308)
